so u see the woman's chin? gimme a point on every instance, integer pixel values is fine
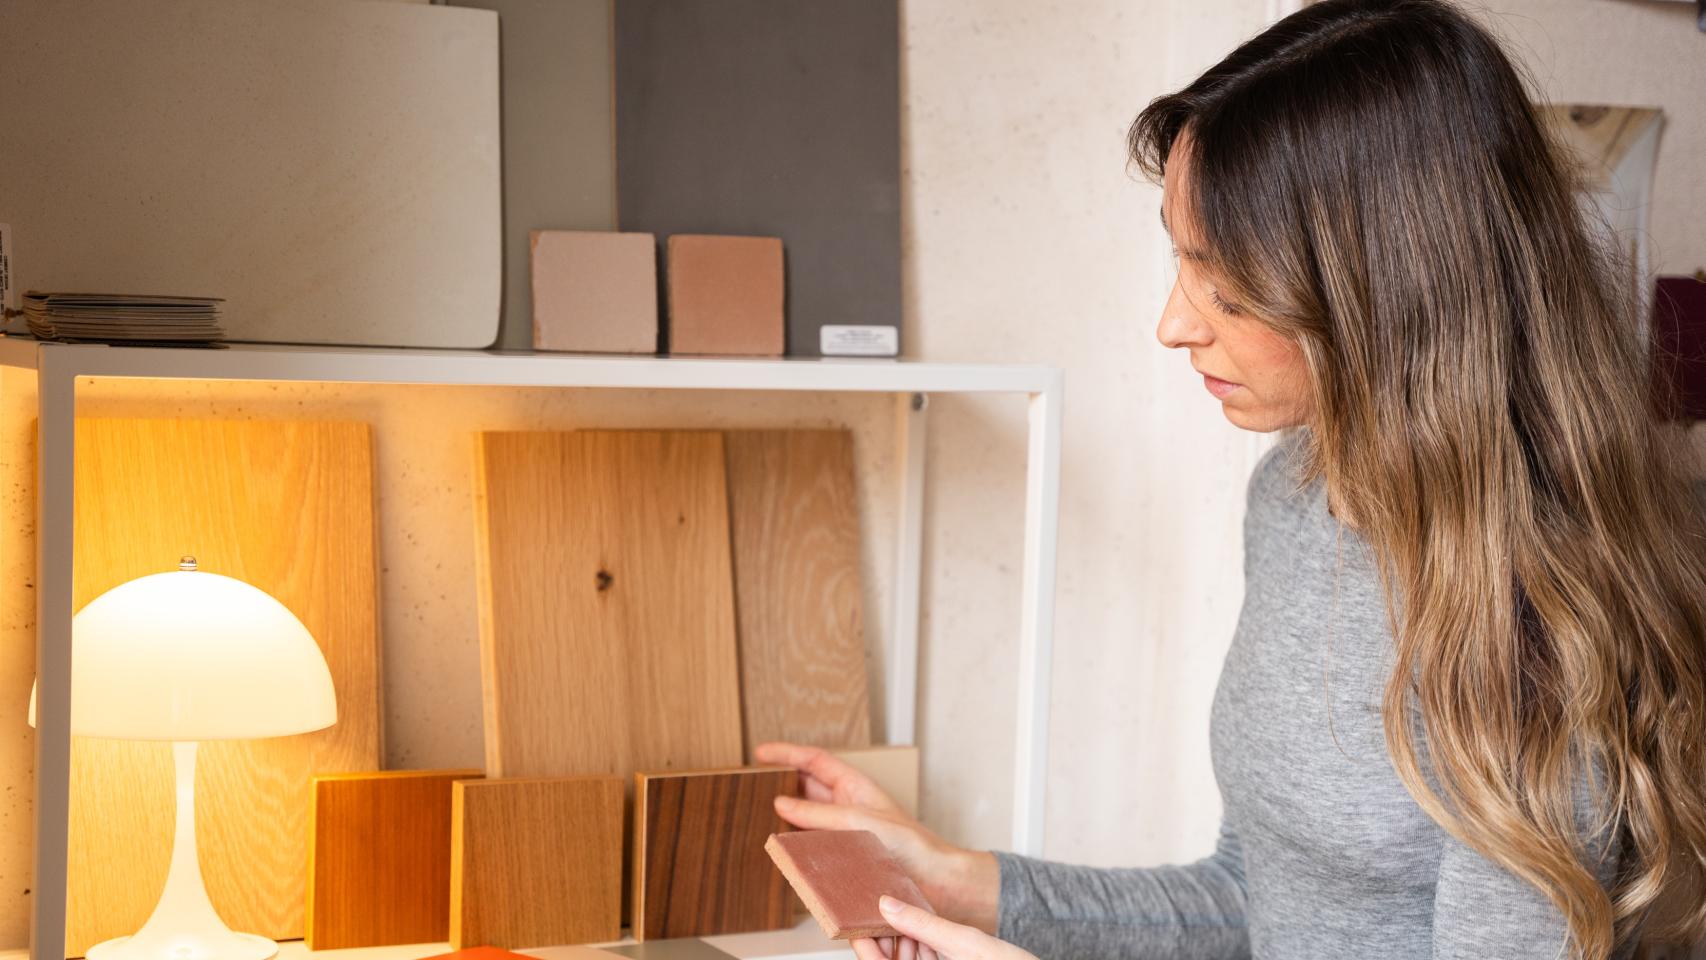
(1256, 421)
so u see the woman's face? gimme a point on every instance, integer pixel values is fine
(1257, 375)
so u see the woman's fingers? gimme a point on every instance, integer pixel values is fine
(944, 936)
(867, 949)
(845, 783)
(813, 815)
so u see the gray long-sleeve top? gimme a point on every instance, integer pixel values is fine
(1322, 853)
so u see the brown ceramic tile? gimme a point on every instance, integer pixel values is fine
(725, 295)
(841, 874)
(595, 292)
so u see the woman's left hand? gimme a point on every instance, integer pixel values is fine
(925, 936)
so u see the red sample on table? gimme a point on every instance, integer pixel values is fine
(841, 874)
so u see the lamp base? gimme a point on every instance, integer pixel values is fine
(205, 945)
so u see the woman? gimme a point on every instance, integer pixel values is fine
(1464, 712)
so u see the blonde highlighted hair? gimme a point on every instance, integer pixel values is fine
(1370, 178)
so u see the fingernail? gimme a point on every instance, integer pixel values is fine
(889, 905)
(784, 801)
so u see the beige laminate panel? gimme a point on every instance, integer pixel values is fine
(330, 168)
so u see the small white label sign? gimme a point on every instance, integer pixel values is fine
(858, 341)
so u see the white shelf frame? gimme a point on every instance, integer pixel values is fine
(58, 366)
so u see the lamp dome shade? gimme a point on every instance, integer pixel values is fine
(190, 655)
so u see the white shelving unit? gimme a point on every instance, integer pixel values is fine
(59, 366)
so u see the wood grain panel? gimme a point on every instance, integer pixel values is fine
(794, 521)
(607, 635)
(287, 507)
(379, 858)
(536, 862)
(699, 862)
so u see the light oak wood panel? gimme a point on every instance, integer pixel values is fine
(794, 519)
(699, 862)
(536, 862)
(607, 635)
(379, 858)
(288, 507)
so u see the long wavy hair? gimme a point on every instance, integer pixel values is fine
(1370, 179)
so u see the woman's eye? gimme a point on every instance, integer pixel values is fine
(1230, 309)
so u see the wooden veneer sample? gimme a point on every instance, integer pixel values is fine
(595, 291)
(607, 633)
(725, 295)
(699, 861)
(288, 507)
(535, 862)
(794, 519)
(895, 769)
(841, 874)
(379, 858)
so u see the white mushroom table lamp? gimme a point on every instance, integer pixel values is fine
(188, 656)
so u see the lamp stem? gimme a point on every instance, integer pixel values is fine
(185, 896)
(184, 925)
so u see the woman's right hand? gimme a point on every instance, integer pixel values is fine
(962, 885)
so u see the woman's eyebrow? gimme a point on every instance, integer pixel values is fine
(1183, 254)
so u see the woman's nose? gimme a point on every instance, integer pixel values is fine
(1181, 324)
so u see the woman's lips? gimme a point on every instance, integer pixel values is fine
(1220, 388)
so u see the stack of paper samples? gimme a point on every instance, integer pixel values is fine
(108, 317)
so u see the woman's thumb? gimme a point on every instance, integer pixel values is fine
(812, 815)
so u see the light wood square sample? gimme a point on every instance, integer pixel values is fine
(536, 862)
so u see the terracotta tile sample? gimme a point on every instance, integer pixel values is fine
(478, 953)
(895, 769)
(841, 874)
(285, 505)
(536, 862)
(725, 295)
(794, 520)
(595, 292)
(379, 858)
(699, 861)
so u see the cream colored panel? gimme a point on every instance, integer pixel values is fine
(332, 168)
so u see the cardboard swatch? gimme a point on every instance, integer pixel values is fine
(895, 770)
(840, 875)
(536, 862)
(379, 858)
(725, 295)
(595, 292)
(699, 861)
(286, 506)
